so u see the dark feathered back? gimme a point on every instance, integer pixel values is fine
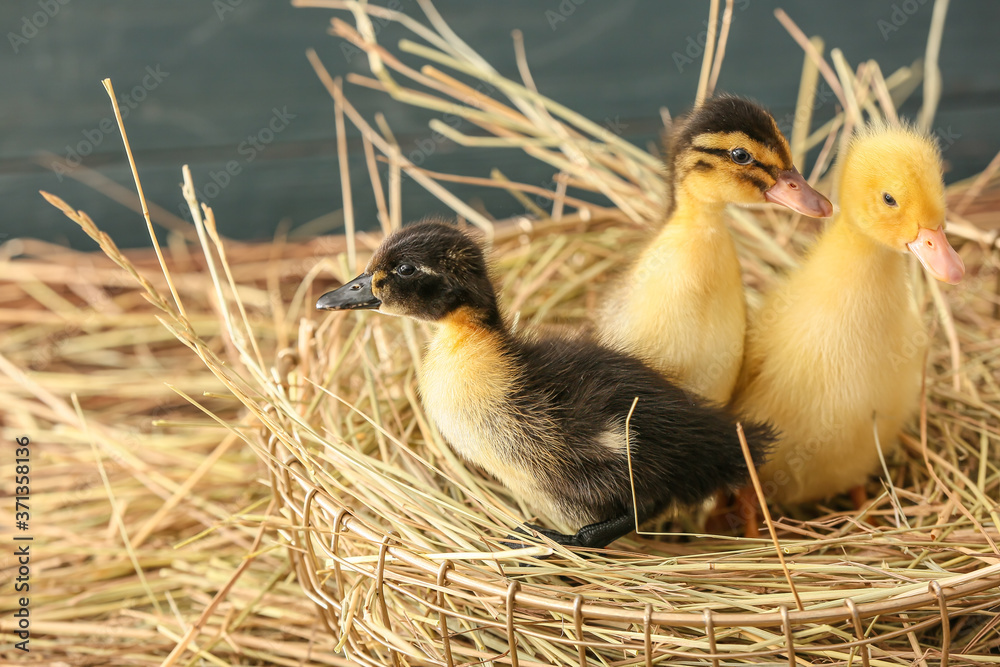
(683, 449)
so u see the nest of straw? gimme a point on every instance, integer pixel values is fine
(365, 521)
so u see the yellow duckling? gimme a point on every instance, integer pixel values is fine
(681, 305)
(548, 417)
(836, 350)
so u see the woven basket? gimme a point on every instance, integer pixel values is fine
(392, 601)
(457, 613)
(401, 546)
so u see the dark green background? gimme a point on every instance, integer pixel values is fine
(227, 71)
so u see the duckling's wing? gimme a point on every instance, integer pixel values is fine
(680, 448)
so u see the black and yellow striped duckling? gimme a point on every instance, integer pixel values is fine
(681, 307)
(547, 417)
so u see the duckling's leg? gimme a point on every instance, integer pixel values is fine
(719, 519)
(859, 496)
(554, 535)
(746, 502)
(599, 535)
(516, 542)
(594, 535)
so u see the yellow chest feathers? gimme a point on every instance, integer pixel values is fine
(682, 309)
(465, 385)
(825, 354)
(465, 378)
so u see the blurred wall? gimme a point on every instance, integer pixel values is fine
(206, 83)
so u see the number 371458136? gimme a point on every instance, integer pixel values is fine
(22, 466)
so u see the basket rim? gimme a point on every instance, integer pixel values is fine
(939, 592)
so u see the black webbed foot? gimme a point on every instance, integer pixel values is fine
(593, 536)
(601, 534)
(555, 535)
(517, 539)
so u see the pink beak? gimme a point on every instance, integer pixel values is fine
(791, 190)
(941, 261)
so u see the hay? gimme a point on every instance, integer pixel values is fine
(163, 534)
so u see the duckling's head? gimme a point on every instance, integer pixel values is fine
(891, 189)
(730, 150)
(427, 271)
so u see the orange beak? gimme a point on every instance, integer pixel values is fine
(791, 190)
(941, 261)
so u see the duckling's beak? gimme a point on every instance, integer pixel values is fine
(355, 295)
(941, 261)
(791, 190)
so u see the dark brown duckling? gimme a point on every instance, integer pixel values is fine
(548, 417)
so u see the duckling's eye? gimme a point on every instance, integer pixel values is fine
(889, 199)
(405, 269)
(740, 156)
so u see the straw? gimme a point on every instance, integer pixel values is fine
(289, 503)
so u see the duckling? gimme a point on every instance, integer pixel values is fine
(835, 352)
(547, 417)
(680, 307)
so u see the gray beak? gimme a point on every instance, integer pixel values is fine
(355, 295)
